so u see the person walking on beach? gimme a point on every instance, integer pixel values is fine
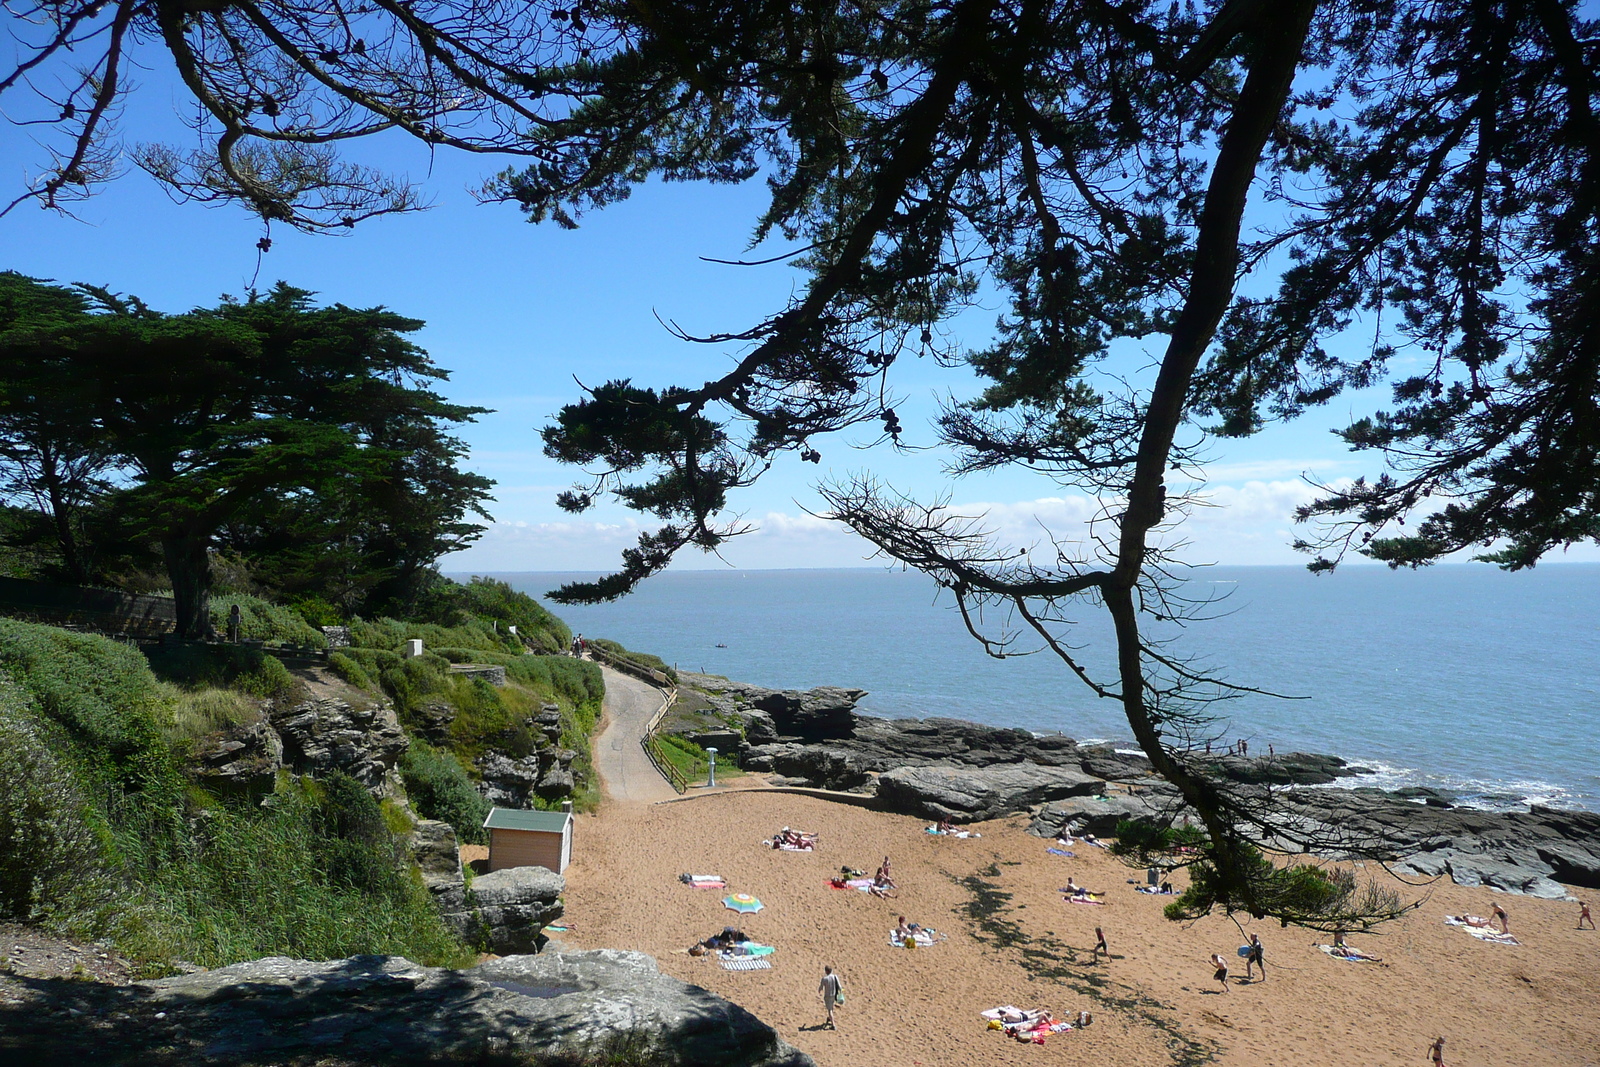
(1503, 919)
(1222, 970)
(1584, 916)
(1436, 1052)
(1255, 958)
(1100, 944)
(832, 990)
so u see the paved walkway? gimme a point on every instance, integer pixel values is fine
(626, 773)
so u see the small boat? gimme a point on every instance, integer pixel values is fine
(721, 645)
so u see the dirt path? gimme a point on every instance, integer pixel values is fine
(626, 773)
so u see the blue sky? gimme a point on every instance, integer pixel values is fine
(517, 312)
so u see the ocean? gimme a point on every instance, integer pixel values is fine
(1461, 677)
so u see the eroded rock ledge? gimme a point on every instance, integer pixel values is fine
(386, 1009)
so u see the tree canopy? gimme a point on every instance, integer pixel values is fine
(267, 425)
(1233, 188)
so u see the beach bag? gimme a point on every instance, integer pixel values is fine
(996, 1024)
(838, 998)
(910, 942)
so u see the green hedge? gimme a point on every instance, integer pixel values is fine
(240, 667)
(440, 788)
(260, 620)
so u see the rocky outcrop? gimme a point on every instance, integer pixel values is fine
(326, 734)
(505, 911)
(974, 793)
(506, 782)
(1521, 852)
(388, 1010)
(774, 714)
(239, 763)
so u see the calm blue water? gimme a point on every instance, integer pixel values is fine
(1461, 677)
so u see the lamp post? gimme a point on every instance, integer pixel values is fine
(711, 780)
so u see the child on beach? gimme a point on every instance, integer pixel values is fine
(1436, 1052)
(1100, 944)
(1584, 916)
(1503, 919)
(1222, 970)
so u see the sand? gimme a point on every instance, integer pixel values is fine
(1013, 940)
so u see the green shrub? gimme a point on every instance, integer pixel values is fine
(638, 659)
(451, 604)
(313, 876)
(260, 620)
(195, 665)
(52, 844)
(95, 698)
(440, 788)
(351, 670)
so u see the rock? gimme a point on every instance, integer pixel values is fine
(337, 636)
(724, 741)
(482, 672)
(813, 715)
(557, 782)
(1103, 761)
(505, 910)
(241, 762)
(325, 735)
(577, 1005)
(437, 855)
(970, 794)
(1100, 815)
(818, 766)
(1291, 768)
(506, 782)
(433, 721)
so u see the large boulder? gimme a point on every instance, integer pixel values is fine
(506, 910)
(325, 735)
(971, 794)
(386, 1009)
(437, 855)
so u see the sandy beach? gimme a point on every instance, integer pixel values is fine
(1012, 940)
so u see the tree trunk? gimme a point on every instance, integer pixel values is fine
(189, 567)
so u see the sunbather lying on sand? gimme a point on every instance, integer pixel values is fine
(1468, 920)
(1074, 889)
(794, 839)
(1348, 953)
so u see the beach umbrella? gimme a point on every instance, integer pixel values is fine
(743, 903)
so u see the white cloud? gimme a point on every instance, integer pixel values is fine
(1243, 524)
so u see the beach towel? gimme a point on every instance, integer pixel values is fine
(1007, 1009)
(1085, 900)
(744, 963)
(1482, 933)
(923, 938)
(1155, 892)
(1060, 852)
(703, 881)
(749, 948)
(863, 884)
(1339, 954)
(960, 834)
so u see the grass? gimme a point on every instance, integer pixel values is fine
(692, 761)
(198, 712)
